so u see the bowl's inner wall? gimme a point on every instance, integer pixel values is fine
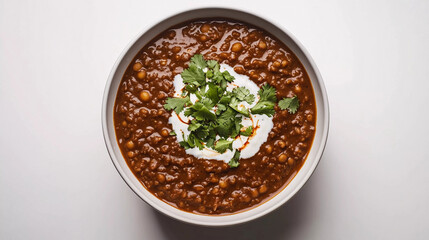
(308, 166)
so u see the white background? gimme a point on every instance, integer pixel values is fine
(56, 178)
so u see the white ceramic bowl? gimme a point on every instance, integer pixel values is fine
(292, 188)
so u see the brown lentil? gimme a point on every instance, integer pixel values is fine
(282, 158)
(130, 144)
(165, 132)
(137, 66)
(236, 47)
(145, 96)
(141, 74)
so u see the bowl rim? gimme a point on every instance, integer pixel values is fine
(304, 180)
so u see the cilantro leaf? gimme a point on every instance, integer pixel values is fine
(177, 104)
(202, 132)
(194, 125)
(264, 107)
(225, 99)
(194, 76)
(229, 113)
(208, 103)
(185, 144)
(249, 98)
(267, 93)
(225, 123)
(173, 133)
(220, 108)
(210, 142)
(228, 76)
(223, 103)
(199, 144)
(236, 128)
(291, 104)
(222, 145)
(233, 163)
(213, 64)
(204, 114)
(223, 84)
(217, 77)
(266, 103)
(200, 112)
(198, 61)
(211, 138)
(224, 127)
(234, 104)
(191, 88)
(201, 93)
(247, 132)
(243, 94)
(192, 142)
(213, 92)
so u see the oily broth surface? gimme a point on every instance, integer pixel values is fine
(200, 185)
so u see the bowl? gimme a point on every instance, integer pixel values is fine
(281, 197)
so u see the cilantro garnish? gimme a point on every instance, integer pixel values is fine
(266, 101)
(226, 122)
(228, 76)
(267, 93)
(217, 115)
(178, 104)
(243, 94)
(222, 145)
(194, 125)
(194, 76)
(233, 163)
(234, 105)
(198, 61)
(213, 64)
(291, 104)
(247, 132)
(201, 111)
(214, 93)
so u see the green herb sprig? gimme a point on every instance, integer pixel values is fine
(217, 116)
(291, 104)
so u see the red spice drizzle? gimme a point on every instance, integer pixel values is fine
(251, 136)
(178, 116)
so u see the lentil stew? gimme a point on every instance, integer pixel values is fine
(205, 186)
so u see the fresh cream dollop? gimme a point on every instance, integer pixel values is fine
(248, 146)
